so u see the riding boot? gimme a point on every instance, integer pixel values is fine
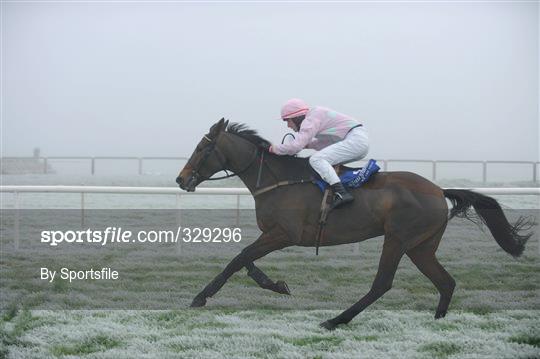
(341, 195)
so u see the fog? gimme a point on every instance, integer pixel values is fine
(428, 80)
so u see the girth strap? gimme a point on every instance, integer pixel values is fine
(325, 209)
(325, 206)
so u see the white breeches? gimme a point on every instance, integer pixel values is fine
(353, 147)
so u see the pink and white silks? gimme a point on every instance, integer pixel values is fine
(338, 138)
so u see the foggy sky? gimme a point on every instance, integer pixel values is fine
(428, 80)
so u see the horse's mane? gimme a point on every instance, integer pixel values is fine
(243, 131)
(298, 165)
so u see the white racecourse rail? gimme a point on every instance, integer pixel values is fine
(178, 192)
(385, 163)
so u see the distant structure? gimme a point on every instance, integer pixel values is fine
(25, 165)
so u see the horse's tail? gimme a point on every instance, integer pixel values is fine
(508, 236)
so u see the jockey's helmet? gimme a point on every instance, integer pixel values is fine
(293, 108)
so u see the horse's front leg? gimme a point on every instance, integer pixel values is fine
(266, 243)
(266, 283)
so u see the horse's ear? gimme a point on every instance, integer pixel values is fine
(222, 125)
(218, 127)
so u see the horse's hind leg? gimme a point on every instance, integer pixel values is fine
(390, 257)
(264, 282)
(423, 256)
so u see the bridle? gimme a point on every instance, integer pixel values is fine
(211, 148)
(259, 152)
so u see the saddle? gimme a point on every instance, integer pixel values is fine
(352, 177)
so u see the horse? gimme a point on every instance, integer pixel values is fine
(410, 212)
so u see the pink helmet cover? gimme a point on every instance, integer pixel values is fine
(294, 108)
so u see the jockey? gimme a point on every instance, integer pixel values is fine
(337, 138)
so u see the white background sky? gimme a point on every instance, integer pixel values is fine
(429, 80)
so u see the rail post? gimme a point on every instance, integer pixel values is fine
(178, 221)
(484, 172)
(535, 169)
(434, 170)
(82, 210)
(93, 165)
(237, 210)
(45, 165)
(17, 225)
(140, 166)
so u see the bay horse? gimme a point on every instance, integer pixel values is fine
(409, 210)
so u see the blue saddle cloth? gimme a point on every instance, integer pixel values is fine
(354, 178)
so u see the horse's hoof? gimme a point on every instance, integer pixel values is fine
(328, 325)
(282, 288)
(198, 302)
(440, 314)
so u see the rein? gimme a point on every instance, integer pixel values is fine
(278, 183)
(212, 148)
